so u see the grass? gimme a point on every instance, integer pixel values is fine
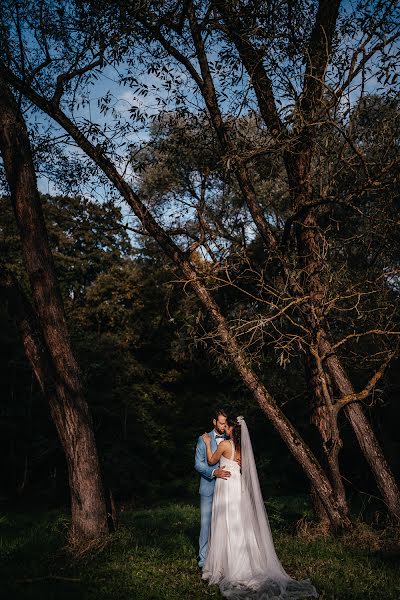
(153, 556)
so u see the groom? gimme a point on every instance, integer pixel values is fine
(208, 476)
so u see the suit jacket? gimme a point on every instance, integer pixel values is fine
(207, 481)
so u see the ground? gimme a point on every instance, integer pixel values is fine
(152, 556)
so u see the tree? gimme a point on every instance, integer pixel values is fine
(359, 291)
(184, 29)
(249, 32)
(45, 335)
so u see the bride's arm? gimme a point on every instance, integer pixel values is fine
(212, 459)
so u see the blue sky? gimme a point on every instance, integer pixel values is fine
(123, 99)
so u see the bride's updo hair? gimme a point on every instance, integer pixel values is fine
(236, 430)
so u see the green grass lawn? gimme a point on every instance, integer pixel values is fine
(153, 556)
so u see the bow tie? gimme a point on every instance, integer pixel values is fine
(219, 436)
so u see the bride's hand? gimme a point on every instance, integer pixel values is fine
(206, 438)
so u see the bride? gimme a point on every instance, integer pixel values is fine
(241, 556)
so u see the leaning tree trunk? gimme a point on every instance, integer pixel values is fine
(68, 407)
(319, 482)
(324, 523)
(244, 180)
(288, 433)
(309, 253)
(207, 89)
(367, 440)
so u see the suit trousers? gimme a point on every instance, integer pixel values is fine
(205, 522)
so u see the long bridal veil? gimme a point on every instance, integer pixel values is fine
(268, 579)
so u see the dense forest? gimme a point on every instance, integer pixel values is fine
(151, 382)
(199, 210)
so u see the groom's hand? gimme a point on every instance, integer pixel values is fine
(220, 472)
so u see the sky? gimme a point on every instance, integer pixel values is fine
(123, 100)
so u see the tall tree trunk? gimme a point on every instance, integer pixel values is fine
(324, 417)
(206, 86)
(208, 91)
(298, 162)
(367, 440)
(309, 245)
(297, 150)
(68, 407)
(319, 511)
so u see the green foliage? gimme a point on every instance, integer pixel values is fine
(152, 390)
(151, 382)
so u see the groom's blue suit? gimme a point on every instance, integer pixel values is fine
(207, 485)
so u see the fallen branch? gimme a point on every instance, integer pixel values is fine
(57, 577)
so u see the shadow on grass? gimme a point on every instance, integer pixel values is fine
(152, 556)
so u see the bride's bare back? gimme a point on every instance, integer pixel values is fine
(226, 447)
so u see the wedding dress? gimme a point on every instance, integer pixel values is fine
(241, 556)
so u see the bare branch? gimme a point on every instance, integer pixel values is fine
(71, 74)
(357, 397)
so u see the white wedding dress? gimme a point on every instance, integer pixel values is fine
(241, 556)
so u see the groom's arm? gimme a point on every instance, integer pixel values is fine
(200, 462)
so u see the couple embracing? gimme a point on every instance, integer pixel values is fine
(236, 550)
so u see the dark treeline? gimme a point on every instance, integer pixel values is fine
(151, 388)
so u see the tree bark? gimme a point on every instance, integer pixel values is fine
(309, 253)
(319, 511)
(68, 407)
(324, 417)
(367, 440)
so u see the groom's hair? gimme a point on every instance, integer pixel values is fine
(220, 411)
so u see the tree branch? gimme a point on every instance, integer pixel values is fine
(318, 56)
(64, 77)
(358, 396)
(253, 62)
